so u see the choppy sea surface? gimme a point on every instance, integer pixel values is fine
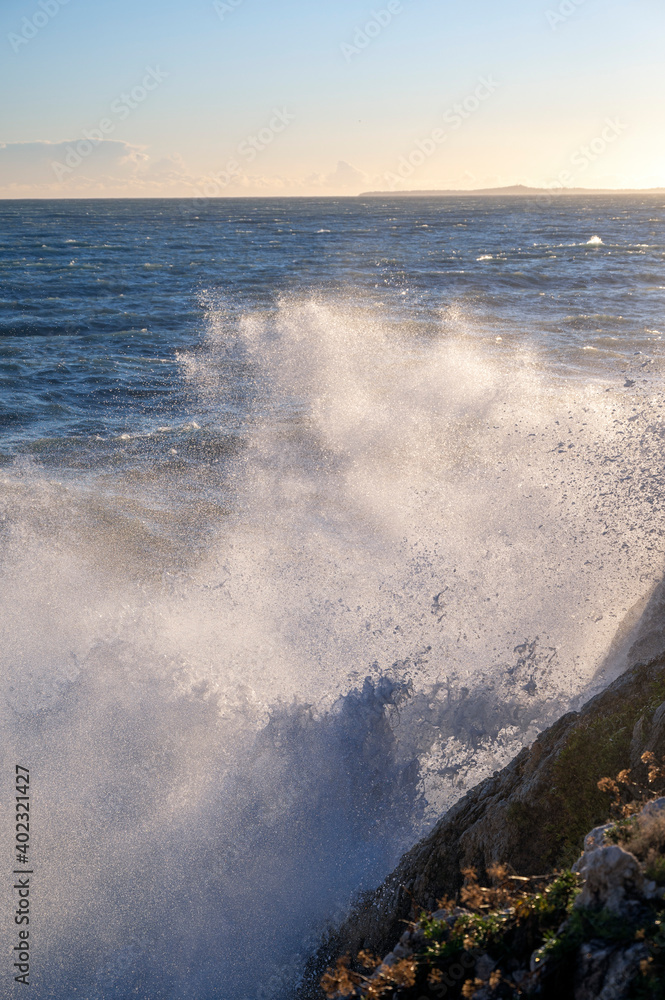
(312, 514)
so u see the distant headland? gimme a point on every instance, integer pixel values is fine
(515, 191)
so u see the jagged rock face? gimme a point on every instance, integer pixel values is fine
(611, 875)
(533, 815)
(599, 951)
(605, 973)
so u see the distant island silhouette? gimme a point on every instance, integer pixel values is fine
(514, 191)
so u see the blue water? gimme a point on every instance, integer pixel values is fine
(99, 296)
(312, 514)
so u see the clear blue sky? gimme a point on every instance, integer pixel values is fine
(357, 112)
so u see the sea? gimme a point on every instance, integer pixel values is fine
(313, 513)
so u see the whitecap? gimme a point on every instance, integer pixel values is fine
(595, 241)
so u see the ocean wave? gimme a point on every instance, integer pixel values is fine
(297, 581)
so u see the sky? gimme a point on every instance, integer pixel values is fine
(206, 98)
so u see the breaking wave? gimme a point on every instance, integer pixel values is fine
(247, 680)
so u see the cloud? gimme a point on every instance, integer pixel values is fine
(346, 176)
(60, 169)
(80, 168)
(87, 167)
(345, 179)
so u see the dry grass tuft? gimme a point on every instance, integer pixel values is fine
(342, 981)
(629, 793)
(644, 836)
(507, 890)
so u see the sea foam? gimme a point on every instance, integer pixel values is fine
(417, 556)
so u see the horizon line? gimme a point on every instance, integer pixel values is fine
(513, 190)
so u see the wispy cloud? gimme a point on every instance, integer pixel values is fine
(114, 168)
(30, 164)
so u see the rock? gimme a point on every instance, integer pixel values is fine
(483, 993)
(637, 743)
(485, 966)
(596, 839)
(654, 808)
(605, 973)
(522, 978)
(623, 967)
(657, 731)
(527, 817)
(533, 816)
(611, 874)
(592, 967)
(648, 734)
(592, 842)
